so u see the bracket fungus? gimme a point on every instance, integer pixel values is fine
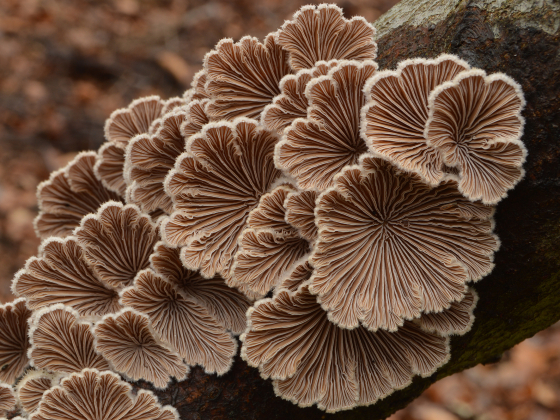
(214, 186)
(7, 399)
(14, 341)
(94, 395)
(455, 320)
(312, 361)
(126, 339)
(181, 322)
(60, 342)
(394, 118)
(243, 77)
(390, 246)
(68, 195)
(315, 149)
(61, 274)
(321, 33)
(475, 121)
(117, 242)
(300, 213)
(32, 386)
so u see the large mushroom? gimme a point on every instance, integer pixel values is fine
(390, 246)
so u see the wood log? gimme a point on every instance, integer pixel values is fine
(522, 39)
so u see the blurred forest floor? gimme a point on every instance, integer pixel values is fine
(67, 64)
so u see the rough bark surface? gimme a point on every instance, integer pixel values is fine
(522, 39)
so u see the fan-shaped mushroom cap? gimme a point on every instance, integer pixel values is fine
(394, 118)
(300, 213)
(61, 275)
(299, 275)
(266, 257)
(60, 343)
(318, 33)
(69, 194)
(126, 340)
(94, 395)
(32, 386)
(149, 158)
(457, 319)
(181, 322)
(475, 121)
(227, 305)
(7, 399)
(196, 118)
(117, 241)
(315, 149)
(109, 167)
(270, 213)
(14, 340)
(391, 246)
(214, 186)
(312, 361)
(243, 77)
(292, 102)
(170, 105)
(197, 90)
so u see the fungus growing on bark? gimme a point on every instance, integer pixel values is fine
(321, 33)
(243, 77)
(126, 340)
(14, 340)
(61, 343)
(117, 242)
(61, 275)
(300, 213)
(391, 247)
(315, 149)
(292, 102)
(120, 128)
(457, 319)
(227, 305)
(7, 399)
(32, 386)
(214, 186)
(69, 194)
(475, 121)
(91, 394)
(312, 361)
(181, 322)
(394, 118)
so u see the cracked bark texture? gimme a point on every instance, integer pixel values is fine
(522, 39)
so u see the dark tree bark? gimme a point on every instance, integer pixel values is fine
(521, 296)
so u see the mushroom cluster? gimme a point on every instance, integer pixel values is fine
(329, 214)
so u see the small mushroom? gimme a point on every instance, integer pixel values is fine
(214, 186)
(270, 213)
(390, 246)
(109, 167)
(312, 361)
(315, 149)
(7, 399)
(292, 102)
(91, 394)
(60, 342)
(127, 341)
(455, 320)
(394, 118)
(14, 340)
(181, 322)
(227, 305)
(243, 77)
(321, 33)
(32, 386)
(117, 242)
(299, 275)
(475, 122)
(61, 275)
(69, 194)
(300, 213)
(197, 90)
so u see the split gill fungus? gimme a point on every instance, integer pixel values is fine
(297, 205)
